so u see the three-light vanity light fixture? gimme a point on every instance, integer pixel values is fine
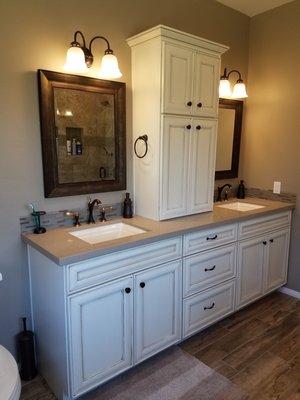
(80, 58)
(239, 89)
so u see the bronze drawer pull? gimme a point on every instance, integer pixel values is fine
(210, 269)
(209, 308)
(212, 238)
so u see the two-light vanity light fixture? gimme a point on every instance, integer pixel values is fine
(239, 89)
(80, 58)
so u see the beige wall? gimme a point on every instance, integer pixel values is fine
(271, 137)
(35, 34)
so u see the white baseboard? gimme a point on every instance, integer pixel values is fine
(290, 292)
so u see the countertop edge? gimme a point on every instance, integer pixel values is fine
(93, 253)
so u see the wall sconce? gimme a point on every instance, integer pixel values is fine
(80, 58)
(239, 89)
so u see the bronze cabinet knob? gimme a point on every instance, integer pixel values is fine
(199, 104)
(188, 127)
(189, 103)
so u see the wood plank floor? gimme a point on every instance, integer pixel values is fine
(257, 348)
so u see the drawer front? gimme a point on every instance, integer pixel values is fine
(101, 269)
(261, 225)
(207, 307)
(201, 271)
(210, 238)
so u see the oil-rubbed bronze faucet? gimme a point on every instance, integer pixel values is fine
(220, 191)
(91, 205)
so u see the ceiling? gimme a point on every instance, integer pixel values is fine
(253, 7)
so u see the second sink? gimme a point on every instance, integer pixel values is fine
(241, 206)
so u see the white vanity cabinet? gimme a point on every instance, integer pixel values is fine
(123, 322)
(98, 317)
(175, 79)
(263, 257)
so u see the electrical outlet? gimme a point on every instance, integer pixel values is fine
(277, 187)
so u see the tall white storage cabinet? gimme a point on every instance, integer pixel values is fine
(175, 79)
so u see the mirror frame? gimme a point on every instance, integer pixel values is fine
(47, 81)
(236, 105)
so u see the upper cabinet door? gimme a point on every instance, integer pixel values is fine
(178, 77)
(277, 261)
(174, 166)
(101, 334)
(157, 309)
(207, 75)
(202, 165)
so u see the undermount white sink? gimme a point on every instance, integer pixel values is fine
(241, 206)
(106, 232)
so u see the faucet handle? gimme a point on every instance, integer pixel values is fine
(74, 214)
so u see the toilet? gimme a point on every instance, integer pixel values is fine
(10, 383)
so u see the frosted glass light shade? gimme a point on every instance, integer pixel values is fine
(239, 91)
(109, 68)
(225, 89)
(75, 61)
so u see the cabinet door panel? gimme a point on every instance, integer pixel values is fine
(101, 334)
(251, 263)
(277, 263)
(157, 309)
(174, 166)
(207, 75)
(202, 166)
(178, 77)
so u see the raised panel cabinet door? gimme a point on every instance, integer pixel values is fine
(277, 260)
(206, 83)
(157, 309)
(251, 264)
(202, 165)
(100, 334)
(174, 166)
(177, 81)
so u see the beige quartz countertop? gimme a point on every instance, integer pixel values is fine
(63, 248)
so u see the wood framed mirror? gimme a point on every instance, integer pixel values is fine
(83, 133)
(229, 138)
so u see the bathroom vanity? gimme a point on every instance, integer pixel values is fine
(101, 308)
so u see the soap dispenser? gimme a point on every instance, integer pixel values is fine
(241, 190)
(127, 211)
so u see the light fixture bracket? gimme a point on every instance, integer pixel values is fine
(227, 75)
(88, 55)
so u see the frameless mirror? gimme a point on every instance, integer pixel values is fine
(83, 134)
(229, 138)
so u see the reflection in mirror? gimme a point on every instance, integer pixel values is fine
(229, 137)
(85, 135)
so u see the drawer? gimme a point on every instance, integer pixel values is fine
(210, 238)
(207, 307)
(261, 225)
(115, 265)
(203, 270)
